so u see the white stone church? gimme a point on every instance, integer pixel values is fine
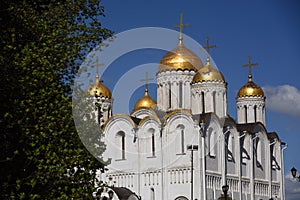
(150, 149)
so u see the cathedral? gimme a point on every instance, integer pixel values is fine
(185, 145)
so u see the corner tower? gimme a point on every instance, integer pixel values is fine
(102, 99)
(250, 100)
(143, 106)
(209, 89)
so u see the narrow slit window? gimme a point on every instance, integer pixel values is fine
(255, 113)
(230, 149)
(246, 113)
(180, 95)
(214, 101)
(170, 95)
(123, 147)
(203, 102)
(153, 144)
(182, 140)
(152, 195)
(120, 142)
(258, 152)
(212, 143)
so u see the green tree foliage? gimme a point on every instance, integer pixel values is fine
(42, 45)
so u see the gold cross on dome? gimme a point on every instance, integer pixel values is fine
(207, 47)
(180, 25)
(249, 65)
(146, 80)
(97, 67)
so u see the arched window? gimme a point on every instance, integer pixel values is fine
(182, 140)
(258, 152)
(180, 95)
(98, 113)
(212, 142)
(180, 144)
(203, 102)
(214, 101)
(245, 150)
(255, 113)
(120, 144)
(230, 146)
(274, 157)
(152, 194)
(153, 143)
(246, 113)
(263, 111)
(149, 143)
(170, 95)
(224, 103)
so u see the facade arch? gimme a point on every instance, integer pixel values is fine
(181, 198)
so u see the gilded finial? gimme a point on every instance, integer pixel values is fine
(180, 25)
(146, 80)
(249, 65)
(207, 47)
(97, 68)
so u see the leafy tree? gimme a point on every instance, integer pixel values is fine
(42, 45)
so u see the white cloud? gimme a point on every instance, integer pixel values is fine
(283, 99)
(292, 188)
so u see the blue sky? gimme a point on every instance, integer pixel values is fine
(267, 30)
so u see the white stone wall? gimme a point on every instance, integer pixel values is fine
(167, 173)
(250, 109)
(215, 98)
(105, 109)
(168, 88)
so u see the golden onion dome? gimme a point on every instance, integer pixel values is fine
(250, 89)
(180, 58)
(99, 89)
(145, 102)
(208, 73)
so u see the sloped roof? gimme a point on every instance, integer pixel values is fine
(272, 135)
(250, 127)
(229, 119)
(201, 117)
(135, 120)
